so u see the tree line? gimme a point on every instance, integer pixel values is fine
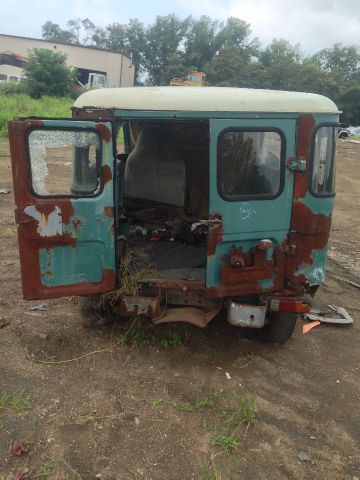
(226, 52)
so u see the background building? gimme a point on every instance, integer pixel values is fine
(117, 68)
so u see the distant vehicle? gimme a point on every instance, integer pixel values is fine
(192, 79)
(343, 133)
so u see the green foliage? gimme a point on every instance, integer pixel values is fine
(17, 401)
(201, 403)
(52, 32)
(170, 46)
(212, 473)
(141, 334)
(47, 74)
(226, 441)
(45, 470)
(22, 105)
(243, 415)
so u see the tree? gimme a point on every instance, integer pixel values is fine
(81, 29)
(200, 45)
(225, 68)
(53, 33)
(128, 39)
(350, 104)
(235, 34)
(47, 74)
(341, 62)
(162, 41)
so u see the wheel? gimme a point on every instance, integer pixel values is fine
(92, 312)
(280, 327)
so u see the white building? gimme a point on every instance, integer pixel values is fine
(117, 67)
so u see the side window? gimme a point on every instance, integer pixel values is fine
(250, 163)
(64, 162)
(323, 163)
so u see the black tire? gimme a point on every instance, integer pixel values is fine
(280, 327)
(92, 313)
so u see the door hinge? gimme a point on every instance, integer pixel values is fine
(297, 164)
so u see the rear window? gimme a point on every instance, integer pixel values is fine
(64, 162)
(323, 161)
(249, 163)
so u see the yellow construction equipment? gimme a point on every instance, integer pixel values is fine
(192, 79)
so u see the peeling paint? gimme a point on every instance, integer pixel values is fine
(49, 224)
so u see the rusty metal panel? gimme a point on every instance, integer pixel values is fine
(55, 233)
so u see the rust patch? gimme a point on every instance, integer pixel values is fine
(223, 291)
(215, 235)
(104, 132)
(94, 114)
(38, 291)
(309, 231)
(303, 220)
(106, 174)
(109, 211)
(76, 224)
(305, 129)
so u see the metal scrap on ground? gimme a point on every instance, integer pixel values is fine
(317, 316)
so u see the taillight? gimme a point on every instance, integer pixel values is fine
(280, 305)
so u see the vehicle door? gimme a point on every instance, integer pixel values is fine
(251, 191)
(63, 183)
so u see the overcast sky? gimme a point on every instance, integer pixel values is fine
(315, 24)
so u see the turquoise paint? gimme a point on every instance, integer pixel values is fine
(266, 284)
(93, 231)
(318, 205)
(314, 273)
(247, 222)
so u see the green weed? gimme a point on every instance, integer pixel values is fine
(156, 403)
(201, 403)
(204, 403)
(141, 334)
(18, 401)
(45, 470)
(226, 441)
(183, 406)
(212, 473)
(248, 408)
(243, 415)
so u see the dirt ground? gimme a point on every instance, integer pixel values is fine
(152, 404)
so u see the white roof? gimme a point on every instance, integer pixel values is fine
(205, 99)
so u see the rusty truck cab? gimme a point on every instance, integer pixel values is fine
(177, 203)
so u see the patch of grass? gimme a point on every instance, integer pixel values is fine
(243, 415)
(22, 105)
(141, 334)
(156, 402)
(204, 402)
(212, 473)
(226, 441)
(248, 409)
(45, 470)
(174, 340)
(18, 401)
(200, 404)
(183, 406)
(219, 393)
